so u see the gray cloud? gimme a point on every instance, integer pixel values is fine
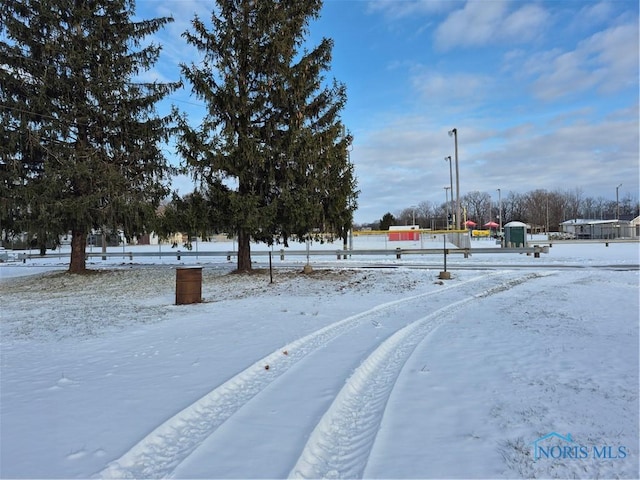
(400, 166)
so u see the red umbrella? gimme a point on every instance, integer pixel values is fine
(491, 225)
(470, 223)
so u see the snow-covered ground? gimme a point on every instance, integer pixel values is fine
(517, 367)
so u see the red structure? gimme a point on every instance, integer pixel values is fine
(404, 233)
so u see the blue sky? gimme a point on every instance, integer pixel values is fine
(543, 94)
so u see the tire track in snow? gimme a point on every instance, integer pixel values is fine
(159, 453)
(340, 445)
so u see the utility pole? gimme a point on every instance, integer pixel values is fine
(617, 204)
(454, 133)
(500, 210)
(446, 196)
(448, 159)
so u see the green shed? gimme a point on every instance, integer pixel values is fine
(515, 234)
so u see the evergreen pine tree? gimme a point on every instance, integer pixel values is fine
(272, 132)
(81, 138)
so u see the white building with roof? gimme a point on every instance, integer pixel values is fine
(588, 229)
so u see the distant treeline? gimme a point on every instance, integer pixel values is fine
(543, 210)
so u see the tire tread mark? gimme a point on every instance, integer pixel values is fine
(159, 453)
(340, 445)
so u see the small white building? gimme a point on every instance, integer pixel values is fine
(635, 225)
(588, 229)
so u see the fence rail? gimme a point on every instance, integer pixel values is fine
(338, 253)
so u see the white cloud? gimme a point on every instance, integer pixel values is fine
(400, 9)
(483, 23)
(608, 61)
(452, 89)
(615, 50)
(563, 74)
(525, 23)
(592, 14)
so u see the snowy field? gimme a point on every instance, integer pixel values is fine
(517, 367)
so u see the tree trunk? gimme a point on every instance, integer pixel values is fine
(78, 246)
(244, 251)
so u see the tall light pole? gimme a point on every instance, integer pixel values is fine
(448, 159)
(454, 133)
(500, 210)
(617, 203)
(446, 202)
